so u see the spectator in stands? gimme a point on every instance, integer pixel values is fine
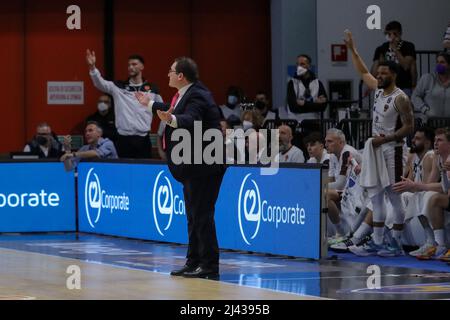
(432, 95)
(315, 145)
(96, 148)
(306, 94)
(251, 119)
(232, 153)
(341, 155)
(44, 144)
(262, 104)
(104, 116)
(446, 42)
(235, 96)
(288, 152)
(401, 52)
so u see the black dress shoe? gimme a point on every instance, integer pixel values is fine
(181, 271)
(202, 272)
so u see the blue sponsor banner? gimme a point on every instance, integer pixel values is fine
(36, 197)
(131, 200)
(278, 214)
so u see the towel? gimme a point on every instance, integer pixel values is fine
(374, 174)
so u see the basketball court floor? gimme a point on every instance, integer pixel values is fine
(38, 267)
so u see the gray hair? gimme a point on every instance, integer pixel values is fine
(95, 123)
(338, 133)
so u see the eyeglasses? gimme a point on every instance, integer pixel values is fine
(170, 71)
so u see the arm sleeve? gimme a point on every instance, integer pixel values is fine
(100, 83)
(322, 91)
(339, 184)
(105, 150)
(418, 96)
(160, 106)
(194, 112)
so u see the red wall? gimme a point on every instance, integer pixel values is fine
(11, 82)
(54, 53)
(229, 40)
(231, 43)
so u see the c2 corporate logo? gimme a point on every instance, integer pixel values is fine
(32, 200)
(253, 211)
(165, 203)
(96, 199)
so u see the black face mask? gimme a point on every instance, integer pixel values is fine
(260, 105)
(42, 140)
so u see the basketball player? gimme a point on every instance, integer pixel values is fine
(393, 120)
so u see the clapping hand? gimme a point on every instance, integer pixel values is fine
(164, 115)
(143, 98)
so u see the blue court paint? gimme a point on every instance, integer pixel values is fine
(339, 279)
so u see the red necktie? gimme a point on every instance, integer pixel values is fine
(172, 106)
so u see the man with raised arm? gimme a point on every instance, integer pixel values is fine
(393, 120)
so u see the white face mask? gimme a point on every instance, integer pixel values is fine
(301, 71)
(246, 125)
(102, 107)
(388, 38)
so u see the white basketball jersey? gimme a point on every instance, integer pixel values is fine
(444, 177)
(417, 166)
(386, 117)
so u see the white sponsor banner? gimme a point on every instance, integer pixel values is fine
(66, 93)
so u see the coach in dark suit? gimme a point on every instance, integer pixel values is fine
(193, 103)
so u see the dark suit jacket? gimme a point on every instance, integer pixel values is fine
(197, 104)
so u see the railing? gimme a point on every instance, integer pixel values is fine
(425, 64)
(357, 131)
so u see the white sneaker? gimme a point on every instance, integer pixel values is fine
(336, 239)
(422, 250)
(366, 250)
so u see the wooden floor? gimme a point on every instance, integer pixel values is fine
(27, 275)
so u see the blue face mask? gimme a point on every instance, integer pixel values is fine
(441, 69)
(232, 100)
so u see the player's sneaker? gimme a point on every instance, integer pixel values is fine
(445, 257)
(392, 250)
(422, 250)
(433, 253)
(336, 239)
(342, 246)
(369, 249)
(347, 243)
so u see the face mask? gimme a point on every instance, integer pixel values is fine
(301, 71)
(232, 100)
(246, 125)
(441, 69)
(42, 140)
(102, 107)
(388, 38)
(260, 105)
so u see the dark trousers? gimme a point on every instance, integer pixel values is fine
(134, 147)
(200, 196)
